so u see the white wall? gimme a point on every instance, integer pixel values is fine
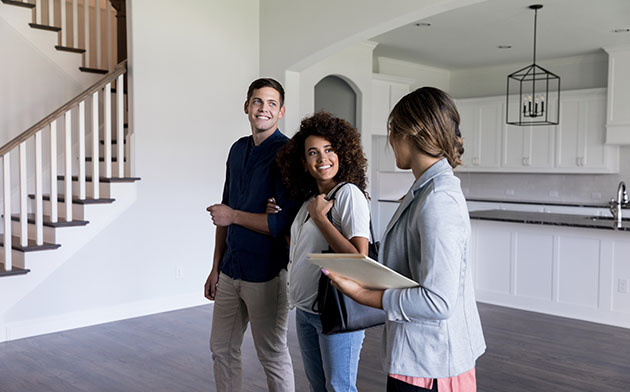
(31, 85)
(422, 75)
(191, 64)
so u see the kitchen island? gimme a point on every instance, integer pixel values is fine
(569, 265)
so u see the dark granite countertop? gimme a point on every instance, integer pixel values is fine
(542, 203)
(545, 218)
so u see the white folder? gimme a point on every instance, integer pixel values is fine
(362, 269)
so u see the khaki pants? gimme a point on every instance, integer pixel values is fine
(265, 306)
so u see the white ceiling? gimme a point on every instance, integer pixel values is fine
(468, 37)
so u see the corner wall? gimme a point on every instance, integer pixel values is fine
(191, 65)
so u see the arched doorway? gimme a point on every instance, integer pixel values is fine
(335, 95)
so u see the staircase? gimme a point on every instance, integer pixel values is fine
(81, 36)
(65, 179)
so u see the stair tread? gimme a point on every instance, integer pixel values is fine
(14, 271)
(114, 141)
(61, 222)
(45, 27)
(69, 49)
(93, 70)
(18, 3)
(102, 159)
(105, 179)
(31, 245)
(61, 198)
(114, 90)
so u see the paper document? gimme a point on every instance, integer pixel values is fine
(362, 269)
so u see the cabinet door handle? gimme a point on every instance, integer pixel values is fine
(582, 161)
(577, 161)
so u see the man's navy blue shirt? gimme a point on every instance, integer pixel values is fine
(252, 177)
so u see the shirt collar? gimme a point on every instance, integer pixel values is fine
(436, 169)
(274, 135)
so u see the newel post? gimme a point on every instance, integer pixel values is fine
(121, 29)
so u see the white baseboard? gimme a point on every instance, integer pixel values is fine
(63, 322)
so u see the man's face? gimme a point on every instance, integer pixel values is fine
(263, 109)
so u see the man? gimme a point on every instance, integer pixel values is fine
(248, 277)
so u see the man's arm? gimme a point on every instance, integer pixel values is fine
(223, 215)
(219, 251)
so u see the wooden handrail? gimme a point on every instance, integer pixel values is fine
(118, 70)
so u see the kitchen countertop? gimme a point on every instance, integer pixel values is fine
(545, 218)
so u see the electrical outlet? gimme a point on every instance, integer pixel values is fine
(554, 194)
(179, 272)
(623, 286)
(509, 192)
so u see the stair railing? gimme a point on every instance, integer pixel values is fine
(88, 25)
(93, 111)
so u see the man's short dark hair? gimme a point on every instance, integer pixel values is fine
(266, 82)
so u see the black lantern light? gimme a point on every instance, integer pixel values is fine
(533, 93)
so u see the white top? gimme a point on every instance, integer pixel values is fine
(351, 216)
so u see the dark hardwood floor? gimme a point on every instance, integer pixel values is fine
(169, 352)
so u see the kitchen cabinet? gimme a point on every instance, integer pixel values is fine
(386, 92)
(566, 271)
(576, 145)
(581, 134)
(481, 128)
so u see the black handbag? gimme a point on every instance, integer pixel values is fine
(338, 312)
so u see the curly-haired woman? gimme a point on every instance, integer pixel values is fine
(324, 158)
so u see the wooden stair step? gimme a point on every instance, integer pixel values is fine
(93, 70)
(69, 49)
(114, 90)
(61, 222)
(30, 247)
(114, 141)
(104, 179)
(102, 159)
(61, 199)
(14, 271)
(45, 27)
(18, 3)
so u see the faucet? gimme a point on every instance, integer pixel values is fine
(616, 205)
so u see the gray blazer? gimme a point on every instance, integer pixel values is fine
(433, 330)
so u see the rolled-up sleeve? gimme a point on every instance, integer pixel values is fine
(436, 241)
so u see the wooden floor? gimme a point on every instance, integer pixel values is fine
(169, 352)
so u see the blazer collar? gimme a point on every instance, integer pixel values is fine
(438, 168)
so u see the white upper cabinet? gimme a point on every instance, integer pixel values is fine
(386, 92)
(581, 134)
(481, 128)
(576, 145)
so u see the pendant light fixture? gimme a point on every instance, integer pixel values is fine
(533, 93)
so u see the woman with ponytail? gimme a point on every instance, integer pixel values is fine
(432, 335)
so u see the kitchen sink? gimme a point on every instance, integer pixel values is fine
(606, 218)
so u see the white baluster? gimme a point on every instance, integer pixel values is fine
(75, 23)
(39, 204)
(38, 11)
(23, 196)
(51, 12)
(108, 30)
(53, 173)
(120, 136)
(64, 27)
(82, 150)
(108, 130)
(97, 13)
(95, 147)
(68, 168)
(6, 190)
(86, 32)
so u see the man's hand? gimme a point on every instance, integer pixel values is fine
(210, 288)
(221, 214)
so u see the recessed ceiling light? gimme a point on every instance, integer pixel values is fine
(621, 31)
(504, 46)
(423, 24)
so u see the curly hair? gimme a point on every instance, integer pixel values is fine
(346, 143)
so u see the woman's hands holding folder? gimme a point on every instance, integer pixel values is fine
(362, 295)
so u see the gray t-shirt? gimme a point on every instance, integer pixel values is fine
(351, 216)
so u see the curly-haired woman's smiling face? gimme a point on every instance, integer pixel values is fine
(321, 161)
